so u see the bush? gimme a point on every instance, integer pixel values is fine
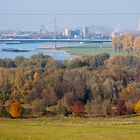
(78, 108)
(130, 107)
(15, 109)
(121, 108)
(38, 108)
(137, 107)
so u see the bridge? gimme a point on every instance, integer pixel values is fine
(53, 40)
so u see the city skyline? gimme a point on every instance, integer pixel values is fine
(30, 14)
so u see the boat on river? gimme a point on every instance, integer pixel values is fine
(14, 50)
(12, 42)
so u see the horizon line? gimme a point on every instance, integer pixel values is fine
(69, 14)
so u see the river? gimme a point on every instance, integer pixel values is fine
(32, 47)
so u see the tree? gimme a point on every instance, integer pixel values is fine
(19, 60)
(68, 99)
(128, 42)
(128, 90)
(38, 107)
(6, 77)
(53, 65)
(49, 96)
(121, 108)
(36, 76)
(7, 63)
(117, 44)
(78, 108)
(15, 109)
(137, 45)
(137, 107)
(1, 108)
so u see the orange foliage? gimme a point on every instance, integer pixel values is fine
(128, 90)
(36, 76)
(15, 109)
(137, 107)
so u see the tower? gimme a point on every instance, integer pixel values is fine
(85, 31)
(54, 27)
(55, 33)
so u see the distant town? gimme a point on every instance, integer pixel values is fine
(86, 32)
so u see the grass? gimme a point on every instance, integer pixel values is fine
(91, 49)
(70, 129)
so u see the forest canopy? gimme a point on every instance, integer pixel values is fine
(88, 85)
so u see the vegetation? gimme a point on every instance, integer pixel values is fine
(70, 128)
(89, 85)
(86, 50)
(137, 107)
(15, 109)
(126, 42)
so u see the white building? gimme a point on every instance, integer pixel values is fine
(66, 32)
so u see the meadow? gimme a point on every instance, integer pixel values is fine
(70, 128)
(92, 49)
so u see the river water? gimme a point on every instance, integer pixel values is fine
(32, 47)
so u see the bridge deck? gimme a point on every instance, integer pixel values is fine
(54, 40)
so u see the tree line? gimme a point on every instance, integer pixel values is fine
(89, 85)
(126, 42)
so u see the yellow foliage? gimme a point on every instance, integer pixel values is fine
(128, 90)
(15, 109)
(36, 76)
(137, 107)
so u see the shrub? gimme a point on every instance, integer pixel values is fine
(121, 108)
(38, 108)
(15, 109)
(130, 107)
(78, 108)
(137, 107)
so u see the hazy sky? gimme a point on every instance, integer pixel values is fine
(69, 7)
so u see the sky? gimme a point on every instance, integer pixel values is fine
(68, 7)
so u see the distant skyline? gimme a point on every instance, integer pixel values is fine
(69, 7)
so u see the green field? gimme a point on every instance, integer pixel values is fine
(91, 49)
(70, 129)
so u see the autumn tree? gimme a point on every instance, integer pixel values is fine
(36, 77)
(117, 44)
(128, 90)
(37, 107)
(78, 108)
(49, 96)
(6, 76)
(137, 45)
(15, 109)
(1, 108)
(68, 99)
(7, 63)
(121, 108)
(137, 107)
(128, 42)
